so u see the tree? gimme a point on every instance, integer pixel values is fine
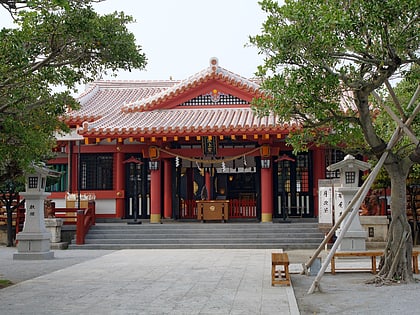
(324, 60)
(57, 43)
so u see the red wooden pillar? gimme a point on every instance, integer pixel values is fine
(167, 190)
(155, 191)
(208, 184)
(266, 194)
(119, 185)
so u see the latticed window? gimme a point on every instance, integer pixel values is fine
(215, 99)
(332, 157)
(302, 172)
(96, 171)
(350, 177)
(57, 184)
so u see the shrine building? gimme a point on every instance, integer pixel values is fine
(152, 149)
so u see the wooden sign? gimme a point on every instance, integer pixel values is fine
(209, 145)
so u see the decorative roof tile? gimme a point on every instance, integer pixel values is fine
(131, 108)
(103, 98)
(183, 121)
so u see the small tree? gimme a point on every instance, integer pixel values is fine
(57, 43)
(323, 61)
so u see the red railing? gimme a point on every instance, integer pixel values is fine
(242, 208)
(85, 219)
(238, 209)
(82, 218)
(18, 216)
(188, 209)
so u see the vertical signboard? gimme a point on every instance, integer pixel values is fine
(325, 202)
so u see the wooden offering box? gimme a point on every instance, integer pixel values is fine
(212, 210)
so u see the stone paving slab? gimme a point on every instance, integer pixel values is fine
(200, 281)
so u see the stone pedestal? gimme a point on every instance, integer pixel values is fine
(34, 240)
(355, 237)
(53, 225)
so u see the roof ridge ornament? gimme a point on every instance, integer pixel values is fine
(214, 64)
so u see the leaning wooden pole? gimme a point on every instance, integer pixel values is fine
(333, 229)
(346, 226)
(359, 192)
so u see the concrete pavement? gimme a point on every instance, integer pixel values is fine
(180, 281)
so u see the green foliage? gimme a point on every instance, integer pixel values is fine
(322, 61)
(385, 127)
(58, 43)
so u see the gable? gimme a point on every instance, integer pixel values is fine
(213, 86)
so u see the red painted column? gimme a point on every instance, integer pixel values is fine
(266, 194)
(167, 190)
(155, 191)
(208, 184)
(119, 185)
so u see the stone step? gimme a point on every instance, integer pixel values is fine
(199, 235)
(223, 235)
(284, 246)
(196, 241)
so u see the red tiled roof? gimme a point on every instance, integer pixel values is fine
(105, 98)
(140, 108)
(170, 122)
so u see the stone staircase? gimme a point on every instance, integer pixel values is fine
(114, 236)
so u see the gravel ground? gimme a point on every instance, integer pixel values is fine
(348, 293)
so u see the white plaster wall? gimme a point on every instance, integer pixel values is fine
(105, 206)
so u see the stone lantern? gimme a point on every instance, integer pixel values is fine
(350, 167)
(34, 240)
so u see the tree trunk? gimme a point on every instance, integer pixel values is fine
(396, 265)
(9, 211)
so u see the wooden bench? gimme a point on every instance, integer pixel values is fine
(280, 275)
(372, 255)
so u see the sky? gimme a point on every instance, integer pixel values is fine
(180, 36)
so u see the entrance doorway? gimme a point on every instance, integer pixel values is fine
(136, 189)
(237, 182)
(293, 184)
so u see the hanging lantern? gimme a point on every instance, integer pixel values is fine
(153, 152)
(265, 150)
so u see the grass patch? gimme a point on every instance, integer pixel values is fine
(5, 283)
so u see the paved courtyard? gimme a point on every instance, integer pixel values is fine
(208, 281)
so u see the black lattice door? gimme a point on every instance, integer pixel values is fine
(294, 186)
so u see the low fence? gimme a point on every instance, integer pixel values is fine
(82, 218)
(238, 209)
(18, 219)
